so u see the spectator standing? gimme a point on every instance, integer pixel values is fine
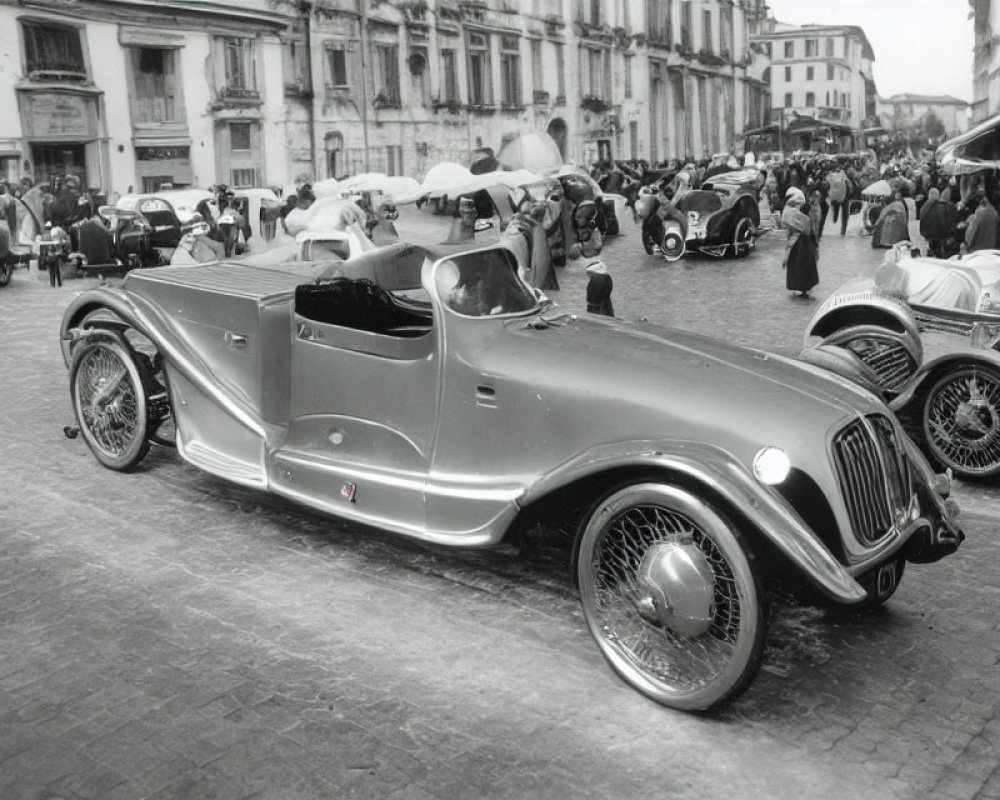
(801, 249)
(984, 224)
(599, 288)
(938, 219)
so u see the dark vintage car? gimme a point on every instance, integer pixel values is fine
(438, 396)
(950, 402)
(722, 218)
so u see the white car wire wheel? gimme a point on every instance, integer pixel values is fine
(742, 238)
(673, 246)
(109, 401)
(962, 421)
(672, 595)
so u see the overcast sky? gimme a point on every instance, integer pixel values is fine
(921, 46)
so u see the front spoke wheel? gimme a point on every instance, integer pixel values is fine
(672, 595)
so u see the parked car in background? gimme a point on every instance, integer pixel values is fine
(723, 217)
(950, 403)
(435, 394)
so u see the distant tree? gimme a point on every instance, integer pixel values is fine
(932, 124)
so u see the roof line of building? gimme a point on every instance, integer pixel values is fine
(799, 30)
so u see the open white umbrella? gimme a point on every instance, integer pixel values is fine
(534, 151)
(440, 179)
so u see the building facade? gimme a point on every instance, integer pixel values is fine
(986, 61)
(822, 86)
(133, 95)
(908, 112)
(129, 95)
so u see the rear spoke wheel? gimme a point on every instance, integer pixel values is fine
(110, 404)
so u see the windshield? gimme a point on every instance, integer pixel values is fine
(483, 284)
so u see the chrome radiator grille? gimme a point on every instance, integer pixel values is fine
(874, 476)
(890, 360)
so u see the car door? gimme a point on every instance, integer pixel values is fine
(362, 414)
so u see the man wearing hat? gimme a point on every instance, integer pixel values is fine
(984, 224)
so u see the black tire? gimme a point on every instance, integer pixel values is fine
(672, 595)
(6, 270)
(961, 421)
(742, 238)
(108, 393)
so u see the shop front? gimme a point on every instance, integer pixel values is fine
(63, 135)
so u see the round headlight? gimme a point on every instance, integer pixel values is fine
(771, 465)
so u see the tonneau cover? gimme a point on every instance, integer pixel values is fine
(234, 280)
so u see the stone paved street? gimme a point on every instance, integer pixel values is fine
(167, 635)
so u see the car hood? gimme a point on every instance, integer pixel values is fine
(647, 379)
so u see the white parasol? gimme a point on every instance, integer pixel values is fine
(534, 151)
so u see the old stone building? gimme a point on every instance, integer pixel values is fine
(132, 95)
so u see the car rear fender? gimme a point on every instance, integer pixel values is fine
(721, 477)
(137, 313)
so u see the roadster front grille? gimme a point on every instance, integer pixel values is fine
(874, 476)
(890, 360)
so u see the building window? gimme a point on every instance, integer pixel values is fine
(243, 178)
(829, 71)
(706, 31)
(628, 76)
(239, 136)
(480, 89)
(155, 77)
(394, 159)
(788, 74)
(810, 73)
(53, 52)
(510, 71)
(658, 19)
(726, 30)
(449, 70)
(788, 99)
(810, 99)
(336, 66)
(686, 23)
(829, 48)
(537, 79)
(241, 67)
(596, 63)
(789, 49)
(812, 48)
(293, 55)
(386, 57)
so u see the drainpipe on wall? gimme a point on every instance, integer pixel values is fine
(363, 22)
(307, 9)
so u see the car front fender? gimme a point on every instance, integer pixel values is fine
(938, 366)
(860, 303)
(724, 478)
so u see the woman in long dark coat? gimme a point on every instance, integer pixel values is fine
(801, 250)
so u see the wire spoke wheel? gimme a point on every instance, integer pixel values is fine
(962, 421)
(672, 596)
(743, 238)
(110, 403)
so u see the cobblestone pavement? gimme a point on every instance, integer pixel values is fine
(167, 635)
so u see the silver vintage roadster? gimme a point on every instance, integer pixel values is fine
(438, 396)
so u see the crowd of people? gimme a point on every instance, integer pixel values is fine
(956, 213)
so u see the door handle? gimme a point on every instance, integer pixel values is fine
(486, 396)
(235, 339)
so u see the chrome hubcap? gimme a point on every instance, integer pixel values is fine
(675, 588)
